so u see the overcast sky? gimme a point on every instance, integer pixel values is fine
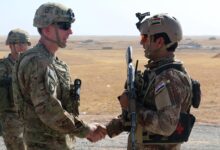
(116, 17)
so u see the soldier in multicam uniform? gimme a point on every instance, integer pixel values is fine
(0, 128)
(164, 93)
(41, 85)
(18, 41)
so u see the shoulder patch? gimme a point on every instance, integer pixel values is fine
(159, 87)
(162, 97)
(51, 80)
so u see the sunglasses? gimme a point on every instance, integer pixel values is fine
(63, 25)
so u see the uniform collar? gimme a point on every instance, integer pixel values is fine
(44, 50)
(154, 64)
(11, 60)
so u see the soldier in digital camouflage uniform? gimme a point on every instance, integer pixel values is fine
(18, 41)
(160, 97)
(41, 85)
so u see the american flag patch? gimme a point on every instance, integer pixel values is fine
(160, 87)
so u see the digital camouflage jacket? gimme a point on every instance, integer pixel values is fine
(41, 85)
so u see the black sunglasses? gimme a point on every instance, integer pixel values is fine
(63, 25)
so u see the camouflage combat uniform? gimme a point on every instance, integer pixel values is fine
(160, 99)
(11, 125)
(42, 91)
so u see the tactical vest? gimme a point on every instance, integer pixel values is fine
(23, 101)
(186, 121)
(70, 103)
(6, 94)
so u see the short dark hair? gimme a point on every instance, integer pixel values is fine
(172, 48)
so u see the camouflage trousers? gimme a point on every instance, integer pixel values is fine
(35, 140)
(12, 131)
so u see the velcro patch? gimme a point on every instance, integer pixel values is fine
(51, 80)
(162, 99)
(156, 21)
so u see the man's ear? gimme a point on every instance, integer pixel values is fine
(47, 30)
(160, 42)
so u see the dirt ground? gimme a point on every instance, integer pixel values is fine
(100, 63)
(203, 137)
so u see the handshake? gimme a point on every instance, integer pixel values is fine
(97, 132)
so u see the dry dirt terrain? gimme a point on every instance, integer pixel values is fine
(100, 63)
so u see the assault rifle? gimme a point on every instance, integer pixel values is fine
(131, 93)
(75, 93)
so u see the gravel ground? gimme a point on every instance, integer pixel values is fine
(203, 137)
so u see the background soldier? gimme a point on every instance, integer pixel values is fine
(18, 41)
(0, 128)
(163, 91)
(42, 85)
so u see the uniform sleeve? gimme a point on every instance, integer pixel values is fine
(4, 84)
(170, 92)
(3, 72)
(43, 88)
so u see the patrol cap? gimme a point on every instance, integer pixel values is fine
(162, 23)
(50, 13)
(16, 36)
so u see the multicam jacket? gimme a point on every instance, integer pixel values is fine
(43, 93)
(11, 125)
(160, 100)
(6, 96)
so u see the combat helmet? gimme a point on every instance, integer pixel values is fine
(162, 23)
(50, 13)
(16, 36)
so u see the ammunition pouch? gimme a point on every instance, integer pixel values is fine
(196, 99)
(181, 134)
